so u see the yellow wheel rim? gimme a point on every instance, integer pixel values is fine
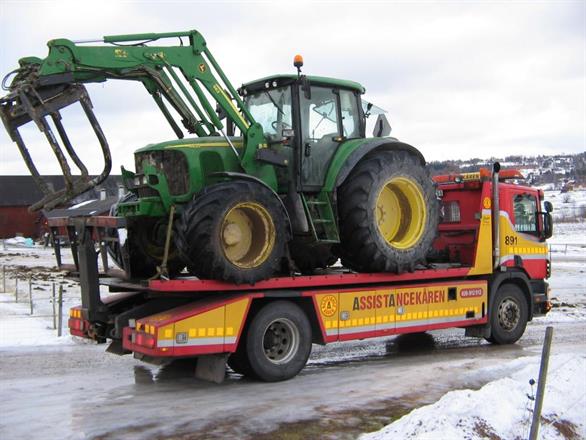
(400, 212)
(247, 235)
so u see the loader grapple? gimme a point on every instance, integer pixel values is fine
(35, 99)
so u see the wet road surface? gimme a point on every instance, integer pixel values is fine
(79, 392)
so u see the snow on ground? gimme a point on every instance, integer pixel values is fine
(568, 206)
(501, 409)
(19, 328)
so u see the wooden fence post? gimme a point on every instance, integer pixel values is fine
(54, 309)
(30, 291)
(541, 383)
(60, 322)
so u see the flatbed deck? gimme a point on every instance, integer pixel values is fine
(333, 278)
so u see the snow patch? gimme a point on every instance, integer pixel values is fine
(502, 409)
(18, 328)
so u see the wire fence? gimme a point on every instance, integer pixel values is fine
(565, 247)
(47, 296)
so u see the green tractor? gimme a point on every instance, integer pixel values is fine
(279, 177)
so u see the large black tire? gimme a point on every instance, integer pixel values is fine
(308, 258)
(278, 341)
(233, 231)
(508, 315)
(113, 247)
(388, 213)
(238, 361)
(145, 244)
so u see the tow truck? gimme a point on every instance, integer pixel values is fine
(486, 273)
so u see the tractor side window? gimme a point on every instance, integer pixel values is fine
(320, 135)
(272, 110)
(320, 114)
(525, 209)
(350, 114)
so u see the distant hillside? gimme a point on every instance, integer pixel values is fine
(561, 171)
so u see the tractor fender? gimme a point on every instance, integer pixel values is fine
(241, 176)
(516, 277)
(386, 144)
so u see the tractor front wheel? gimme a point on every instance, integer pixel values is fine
(234, 231)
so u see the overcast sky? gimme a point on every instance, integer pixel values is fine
(458, 79)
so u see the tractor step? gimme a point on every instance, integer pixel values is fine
(321, 217)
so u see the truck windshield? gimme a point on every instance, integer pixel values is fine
(272, 110)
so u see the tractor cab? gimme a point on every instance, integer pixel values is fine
(306, 118)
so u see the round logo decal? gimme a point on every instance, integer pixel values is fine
(486, 203)
(328, 305)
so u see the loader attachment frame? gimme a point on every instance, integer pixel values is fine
(31, 101)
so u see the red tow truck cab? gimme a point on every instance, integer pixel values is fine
(482, 275)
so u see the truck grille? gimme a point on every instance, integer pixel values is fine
(172, 163)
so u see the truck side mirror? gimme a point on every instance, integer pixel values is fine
(548, 206)
(547, 226)
(382, 127)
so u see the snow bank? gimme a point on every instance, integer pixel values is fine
(501, 409)
(18, 328)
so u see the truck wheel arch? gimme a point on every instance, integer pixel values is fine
(515, 277)
(389, 144)
(305, 303)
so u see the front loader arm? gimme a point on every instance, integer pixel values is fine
(184, 77)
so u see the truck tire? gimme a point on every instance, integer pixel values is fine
(308, 258)
(388, 213)
(145, 244)
(508, 315)
(278, 341)
(238, 361)
(233, 231)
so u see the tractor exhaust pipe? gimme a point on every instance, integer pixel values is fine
(496, 252)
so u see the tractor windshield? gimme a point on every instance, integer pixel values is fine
(272, 110)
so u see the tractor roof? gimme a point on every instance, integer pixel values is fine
(283, 79)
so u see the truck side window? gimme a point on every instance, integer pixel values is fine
(525, 208)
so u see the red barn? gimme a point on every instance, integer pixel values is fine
(17, 193)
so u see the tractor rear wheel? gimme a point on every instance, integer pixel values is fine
(388, 213)
(233, 231)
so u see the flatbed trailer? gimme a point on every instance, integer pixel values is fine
(491, 288)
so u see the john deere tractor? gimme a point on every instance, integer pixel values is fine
(276, 177)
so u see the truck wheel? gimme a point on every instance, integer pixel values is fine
(234, 231)
(238, 361)
(278, 341)
(509, 315)
(388, 213)
(307, 258)
(145, 244)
